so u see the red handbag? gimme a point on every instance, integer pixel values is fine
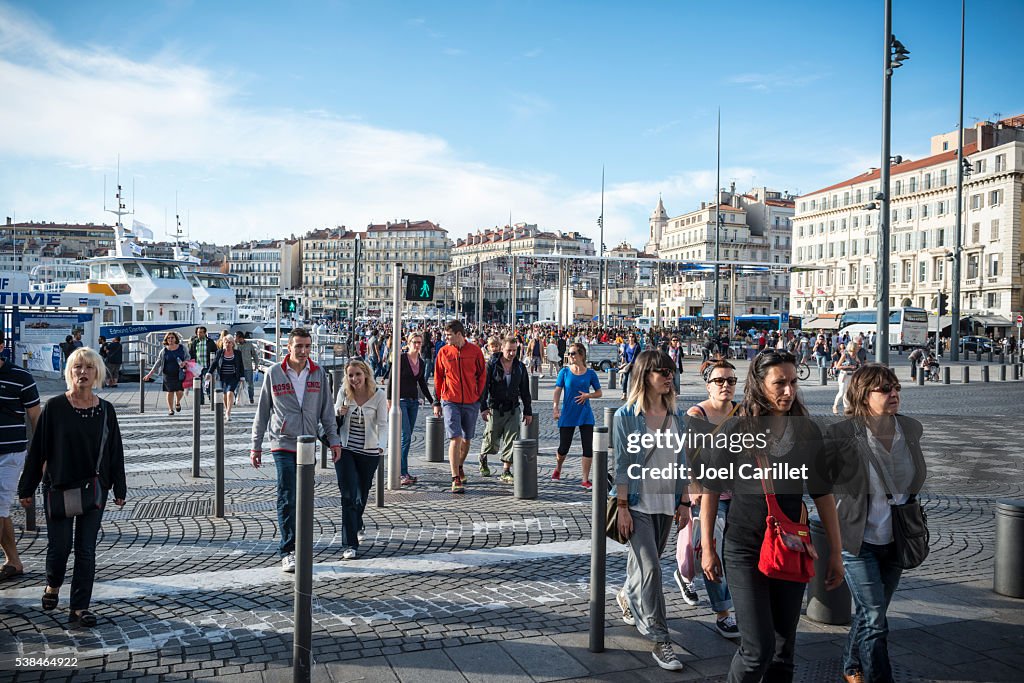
(786, 551)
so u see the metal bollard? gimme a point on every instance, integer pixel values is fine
(825, 606)
(534, 387)
(945, 375)
(1002, 373)
(524, 468)
(823, 376)
(920, 377)
(305, 461)
(196, 431)
(1009, 550)
(613, 375)
(218, 434)
(978, 354)
(990, 356)
(965, 374)
(435, 439)
(324, 450)
(598, 541)
(142, 381)
(380, 481)
(984, 373)
(609, 422)
(530, 431)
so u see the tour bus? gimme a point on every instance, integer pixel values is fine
(644, 323)
(908, 327)
(768, 322)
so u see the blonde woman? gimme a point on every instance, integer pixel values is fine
(363, 410)
(76, 438)
(580, 384)
(647, 507)
(171, 362)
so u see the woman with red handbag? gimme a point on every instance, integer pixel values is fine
(768, 556)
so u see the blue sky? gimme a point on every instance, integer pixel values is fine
(268, 119)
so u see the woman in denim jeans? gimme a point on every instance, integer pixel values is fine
(875, 428)
(413, 380)
(647, 506)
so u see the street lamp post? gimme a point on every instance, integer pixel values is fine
(954, 323)
(895, 55)
(718, 222)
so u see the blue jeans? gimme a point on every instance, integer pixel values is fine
(872, 576)
(285, 464)
(821, 361)
(410, 410)
(355, 477)
(718, 593)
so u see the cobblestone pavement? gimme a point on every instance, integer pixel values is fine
(483, 587)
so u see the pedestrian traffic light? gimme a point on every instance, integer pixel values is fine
(419, 287)
(943, 304)
(289, 306)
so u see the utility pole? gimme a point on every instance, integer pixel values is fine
(954, 322)
(718, 221)
(600, 267)
(355, 287)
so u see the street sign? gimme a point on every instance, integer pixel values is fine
(1020, 320)
(419, 287)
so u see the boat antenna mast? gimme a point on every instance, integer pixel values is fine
(122, 242)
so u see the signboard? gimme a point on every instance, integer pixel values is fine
(130, 330)
(41, 357)
(15, 291)
(1020, 320)
(49, 328)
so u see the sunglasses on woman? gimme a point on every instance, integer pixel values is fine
(664, 372)
(888, 388)
(722, 381)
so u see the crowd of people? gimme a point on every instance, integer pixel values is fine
(862, 468)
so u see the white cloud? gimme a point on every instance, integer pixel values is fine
(257, 172)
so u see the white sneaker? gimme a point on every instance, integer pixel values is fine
(348, 554)
(627, 614)
(727, 627)
(288, 563)
(665, 657)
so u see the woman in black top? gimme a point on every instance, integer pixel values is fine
(227, 367)
(171, 362)
(68, 441)
(768, 610)
(412, 381)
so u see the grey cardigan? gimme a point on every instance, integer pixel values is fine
(846, 442)
(280, 417)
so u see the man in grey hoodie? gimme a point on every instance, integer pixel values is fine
(295, 400)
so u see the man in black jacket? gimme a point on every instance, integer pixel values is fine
(507, 385)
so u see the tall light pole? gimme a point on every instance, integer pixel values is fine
(600, 253)
(718, 221)
(954, 310)
(895, 55)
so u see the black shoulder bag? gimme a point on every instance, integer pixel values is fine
(84, 496)
(909, 523)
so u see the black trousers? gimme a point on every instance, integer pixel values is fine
(767, 613)
(63, 536)
(586, 438)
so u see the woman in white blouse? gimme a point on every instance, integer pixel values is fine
(876, 435)
(363, 413)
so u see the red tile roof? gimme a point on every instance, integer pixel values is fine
(905, 167)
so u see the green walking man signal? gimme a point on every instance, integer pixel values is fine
(419, 287)
(289, 306)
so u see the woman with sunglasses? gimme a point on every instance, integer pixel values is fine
(720, 378)
(767, 609)
(580, 384)
(412, 382)
(647, 506)
(874, 435)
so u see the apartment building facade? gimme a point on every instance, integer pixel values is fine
(336, 283)
(755, 226)
(264, 269)
(836, 230)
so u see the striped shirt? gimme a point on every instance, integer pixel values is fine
(17, 393)
(357, 432)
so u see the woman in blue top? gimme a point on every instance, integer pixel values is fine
(576, 381)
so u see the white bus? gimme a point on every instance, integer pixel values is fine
(644, 323)
(908, 327)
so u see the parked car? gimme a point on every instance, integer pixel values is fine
(974, 344)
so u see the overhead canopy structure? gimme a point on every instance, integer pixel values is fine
(821, 322)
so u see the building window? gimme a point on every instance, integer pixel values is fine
(927, 181)
(995, 230)
(979, 166)
(972, 267)
(899, 188)
(922, 271)
(993, 265)
(853, 247)
(909, 213)
(1000, 162)
(940, 239)
(938, 267)
(975, 232)
(940, 208)
(846, 199)
(912, 183)
(976, 201)
(907, 242)
(924, 240)
(908, 271)
(995, 197)
(943, 174)
(924, 211)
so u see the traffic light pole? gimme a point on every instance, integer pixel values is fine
(277, 327)
(395, 413)
(954, 323)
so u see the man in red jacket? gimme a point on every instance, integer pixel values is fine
(459, 378)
